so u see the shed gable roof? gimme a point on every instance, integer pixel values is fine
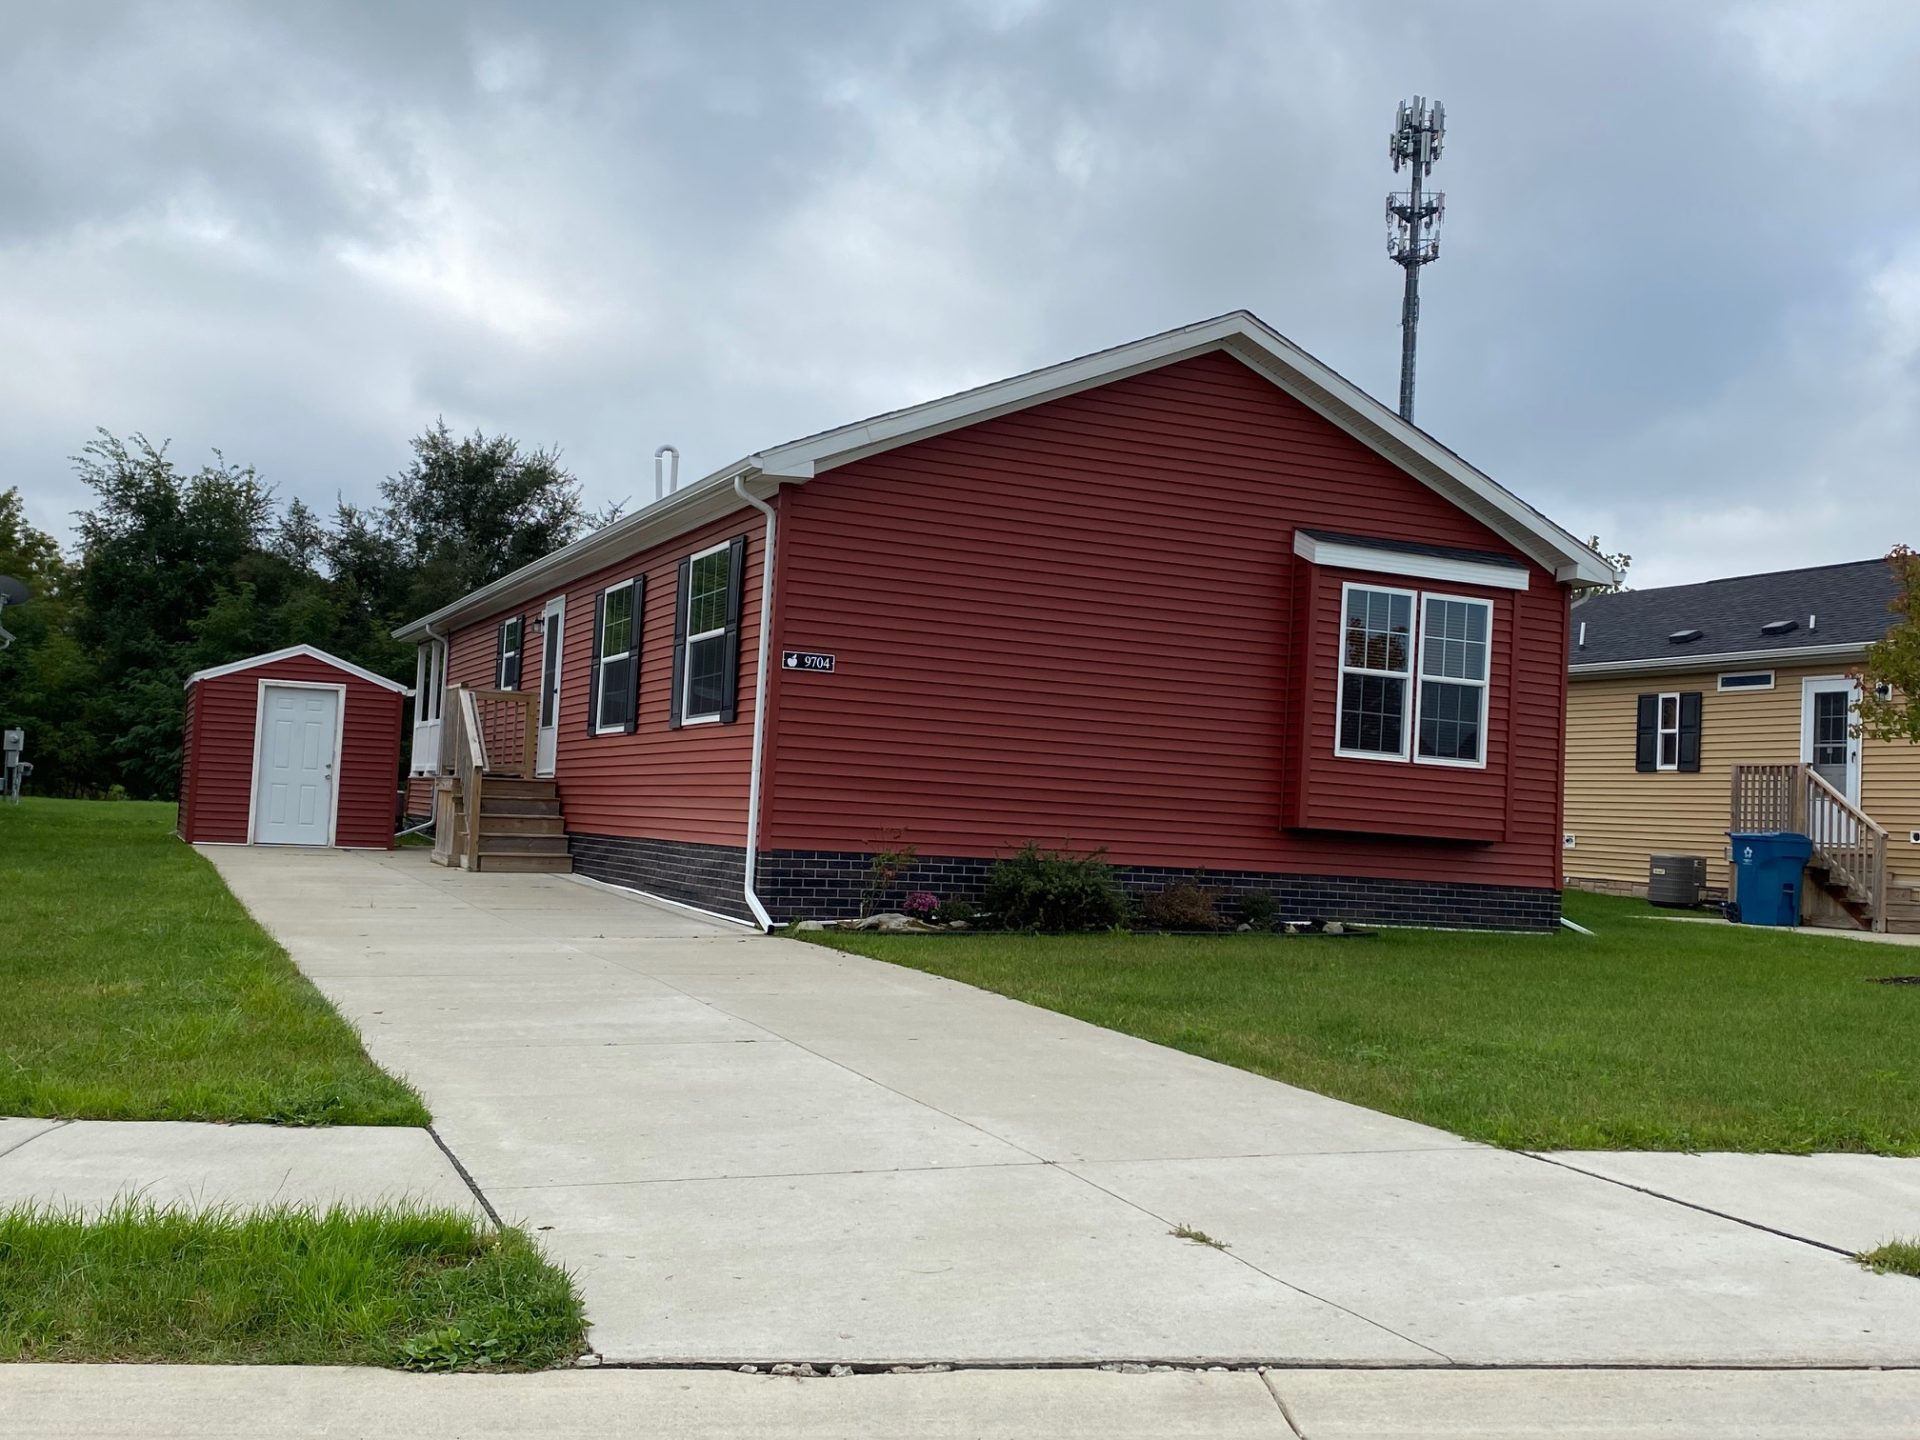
(1240, 334)
(1833, 610)
(309, 652)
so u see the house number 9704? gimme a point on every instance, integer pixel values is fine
(806, 660)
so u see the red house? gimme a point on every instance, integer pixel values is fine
(297, 747)
(1196, 601)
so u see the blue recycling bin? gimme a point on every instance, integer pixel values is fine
(1767, 865)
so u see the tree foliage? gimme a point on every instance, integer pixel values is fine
(1621, 562)
(1890, 679)
(182, 569)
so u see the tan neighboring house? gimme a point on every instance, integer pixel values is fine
(1697, 709)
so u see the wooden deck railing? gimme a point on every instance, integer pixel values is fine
(482, 733)
(1847, 842)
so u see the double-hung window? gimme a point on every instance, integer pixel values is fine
(1376, 666)
(506, 665)
(616, 662)
(704, 668)
(1669, 732)
(1413, 691)
(1453, 680)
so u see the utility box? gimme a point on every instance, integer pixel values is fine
(1767, 866)
(1679, 880)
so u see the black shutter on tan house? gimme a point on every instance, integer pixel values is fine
(639, 609)
(1646, 734)
(678, 708)
(593, 665)
(736, 578)
(1690, 730)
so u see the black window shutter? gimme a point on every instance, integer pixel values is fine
(736, 578)
(1690, 730)
(633, 652)
(593, 665)
(1646, 734)
(678, 708)
(499, 655)
(512, 676)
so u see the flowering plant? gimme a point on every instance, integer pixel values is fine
(921, 904)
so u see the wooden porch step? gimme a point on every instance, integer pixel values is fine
(493, 844)
(526, 864)
(512, 787)
(491, 805)
(545, 823)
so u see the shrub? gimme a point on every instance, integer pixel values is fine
(1259, 909)
(1183, 905)
(921, 905)
(884, 869)
(1036, 889)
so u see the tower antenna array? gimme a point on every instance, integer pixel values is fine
(1413, 219)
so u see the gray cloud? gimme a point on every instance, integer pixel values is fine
(1679, 300)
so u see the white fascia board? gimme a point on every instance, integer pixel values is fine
(1340, 556)
(291, 652)
(708, 498)
(1681, 663)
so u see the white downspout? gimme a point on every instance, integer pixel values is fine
(759, 700)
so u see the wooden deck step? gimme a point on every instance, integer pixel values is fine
(496, 844)
(526, 864)
(492, 805)
(492, 823)
(512, 787)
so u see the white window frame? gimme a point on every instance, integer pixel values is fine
(1407, 676)
(602, 658)
(1661, 730)
(1485, 685)
(687, 717)
(1721, 685)
(518, 624)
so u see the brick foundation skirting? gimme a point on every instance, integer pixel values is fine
(712, 877)
(821, 885)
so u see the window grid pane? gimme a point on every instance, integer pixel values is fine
(616, 621)
(707, 594)
(1372, 711)
(1450, 720)
(706, 669)
(1378, 631)
(616, 691)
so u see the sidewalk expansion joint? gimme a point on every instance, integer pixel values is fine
(1692, 1205)
(467, 1176)
(18, 1144)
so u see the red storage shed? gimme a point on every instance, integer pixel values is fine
(297, 747)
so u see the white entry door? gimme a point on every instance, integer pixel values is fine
(293, 801)
(553, 633)
(1826, 742)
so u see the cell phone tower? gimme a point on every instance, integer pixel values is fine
(1413, 219)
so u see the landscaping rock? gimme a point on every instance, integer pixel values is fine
(890, 922)
(1334, 927)
(1243, 928)
(811, 925)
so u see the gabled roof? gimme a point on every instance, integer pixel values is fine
(310, 652)
(1826, 611)
(1239, 333)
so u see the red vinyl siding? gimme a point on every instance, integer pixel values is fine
(218, 761)
(688, 784)
(420, 796)
(1075, 624)
(183, 824)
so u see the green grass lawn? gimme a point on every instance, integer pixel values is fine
(133, 986)
(434, 1290)
(1651, 1035)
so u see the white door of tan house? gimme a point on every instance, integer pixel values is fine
(553, 631)
(1826, 741)
(294, 756)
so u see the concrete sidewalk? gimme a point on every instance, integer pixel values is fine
(161, 1402)
(753, 1149)
(89, 1164)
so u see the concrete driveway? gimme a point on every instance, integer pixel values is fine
(753, 1150)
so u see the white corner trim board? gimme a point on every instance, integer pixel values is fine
(1340, 555)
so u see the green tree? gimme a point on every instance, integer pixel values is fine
(46, 677)
(1890, 678)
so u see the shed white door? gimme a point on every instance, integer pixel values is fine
(293, 794)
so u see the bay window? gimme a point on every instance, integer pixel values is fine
(1413, 692)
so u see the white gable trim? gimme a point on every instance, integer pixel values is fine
(291, 652)
(1342, 556)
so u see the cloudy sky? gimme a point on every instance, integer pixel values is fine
(1678, 302)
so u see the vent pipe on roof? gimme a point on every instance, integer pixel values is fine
(1582, 642)
(665, 481)
(1813, 622)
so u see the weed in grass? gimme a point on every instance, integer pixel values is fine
(433, 1289)
(138, 988)
(1198, 1237)
(1645, 1036)
(1896, 1257)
